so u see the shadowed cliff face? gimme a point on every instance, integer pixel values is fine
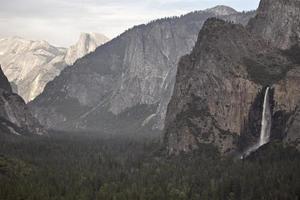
(4, 84)
(213, 94)
(135, 69)
(219, 88)
(15, 118)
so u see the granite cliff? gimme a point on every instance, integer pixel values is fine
(219, 88)
(277, 21)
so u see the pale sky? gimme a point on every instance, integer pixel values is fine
(60, 22)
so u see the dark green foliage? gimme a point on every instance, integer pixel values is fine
(115, 168)
(13, 167)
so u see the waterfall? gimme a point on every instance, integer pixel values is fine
(266, 123)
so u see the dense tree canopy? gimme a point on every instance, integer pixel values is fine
(88, 167)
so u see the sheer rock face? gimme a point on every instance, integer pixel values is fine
(137, 68)
(15, 117)
(219, 88)
(287, 104)
(278, 21)
(213, 95)
(287, 92)
(30, 65)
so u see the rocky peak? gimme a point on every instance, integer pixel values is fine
(87, 43)
(222, 10)
(277, 21)
(229, 38)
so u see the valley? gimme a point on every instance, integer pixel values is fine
(201, 106)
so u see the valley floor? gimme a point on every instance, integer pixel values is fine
(86, 166)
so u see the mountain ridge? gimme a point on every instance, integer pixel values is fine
(222, 10)
(87, 43)
(31, 64)
(136, 68)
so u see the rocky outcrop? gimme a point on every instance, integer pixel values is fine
(212, 95)
(136, 69)
(15, 117)
(30, 65)
(222, 10)
(220, 86)
(278, 21)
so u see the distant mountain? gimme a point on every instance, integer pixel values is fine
(126, 84)
(15, 117)
(220, 87)
(222, 10)
(30, 65)
(87, 43)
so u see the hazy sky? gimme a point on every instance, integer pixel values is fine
(61, 21)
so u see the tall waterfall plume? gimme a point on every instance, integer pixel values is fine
(266, 120)
(266, 123)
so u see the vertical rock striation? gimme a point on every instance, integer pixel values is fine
(277, 21)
